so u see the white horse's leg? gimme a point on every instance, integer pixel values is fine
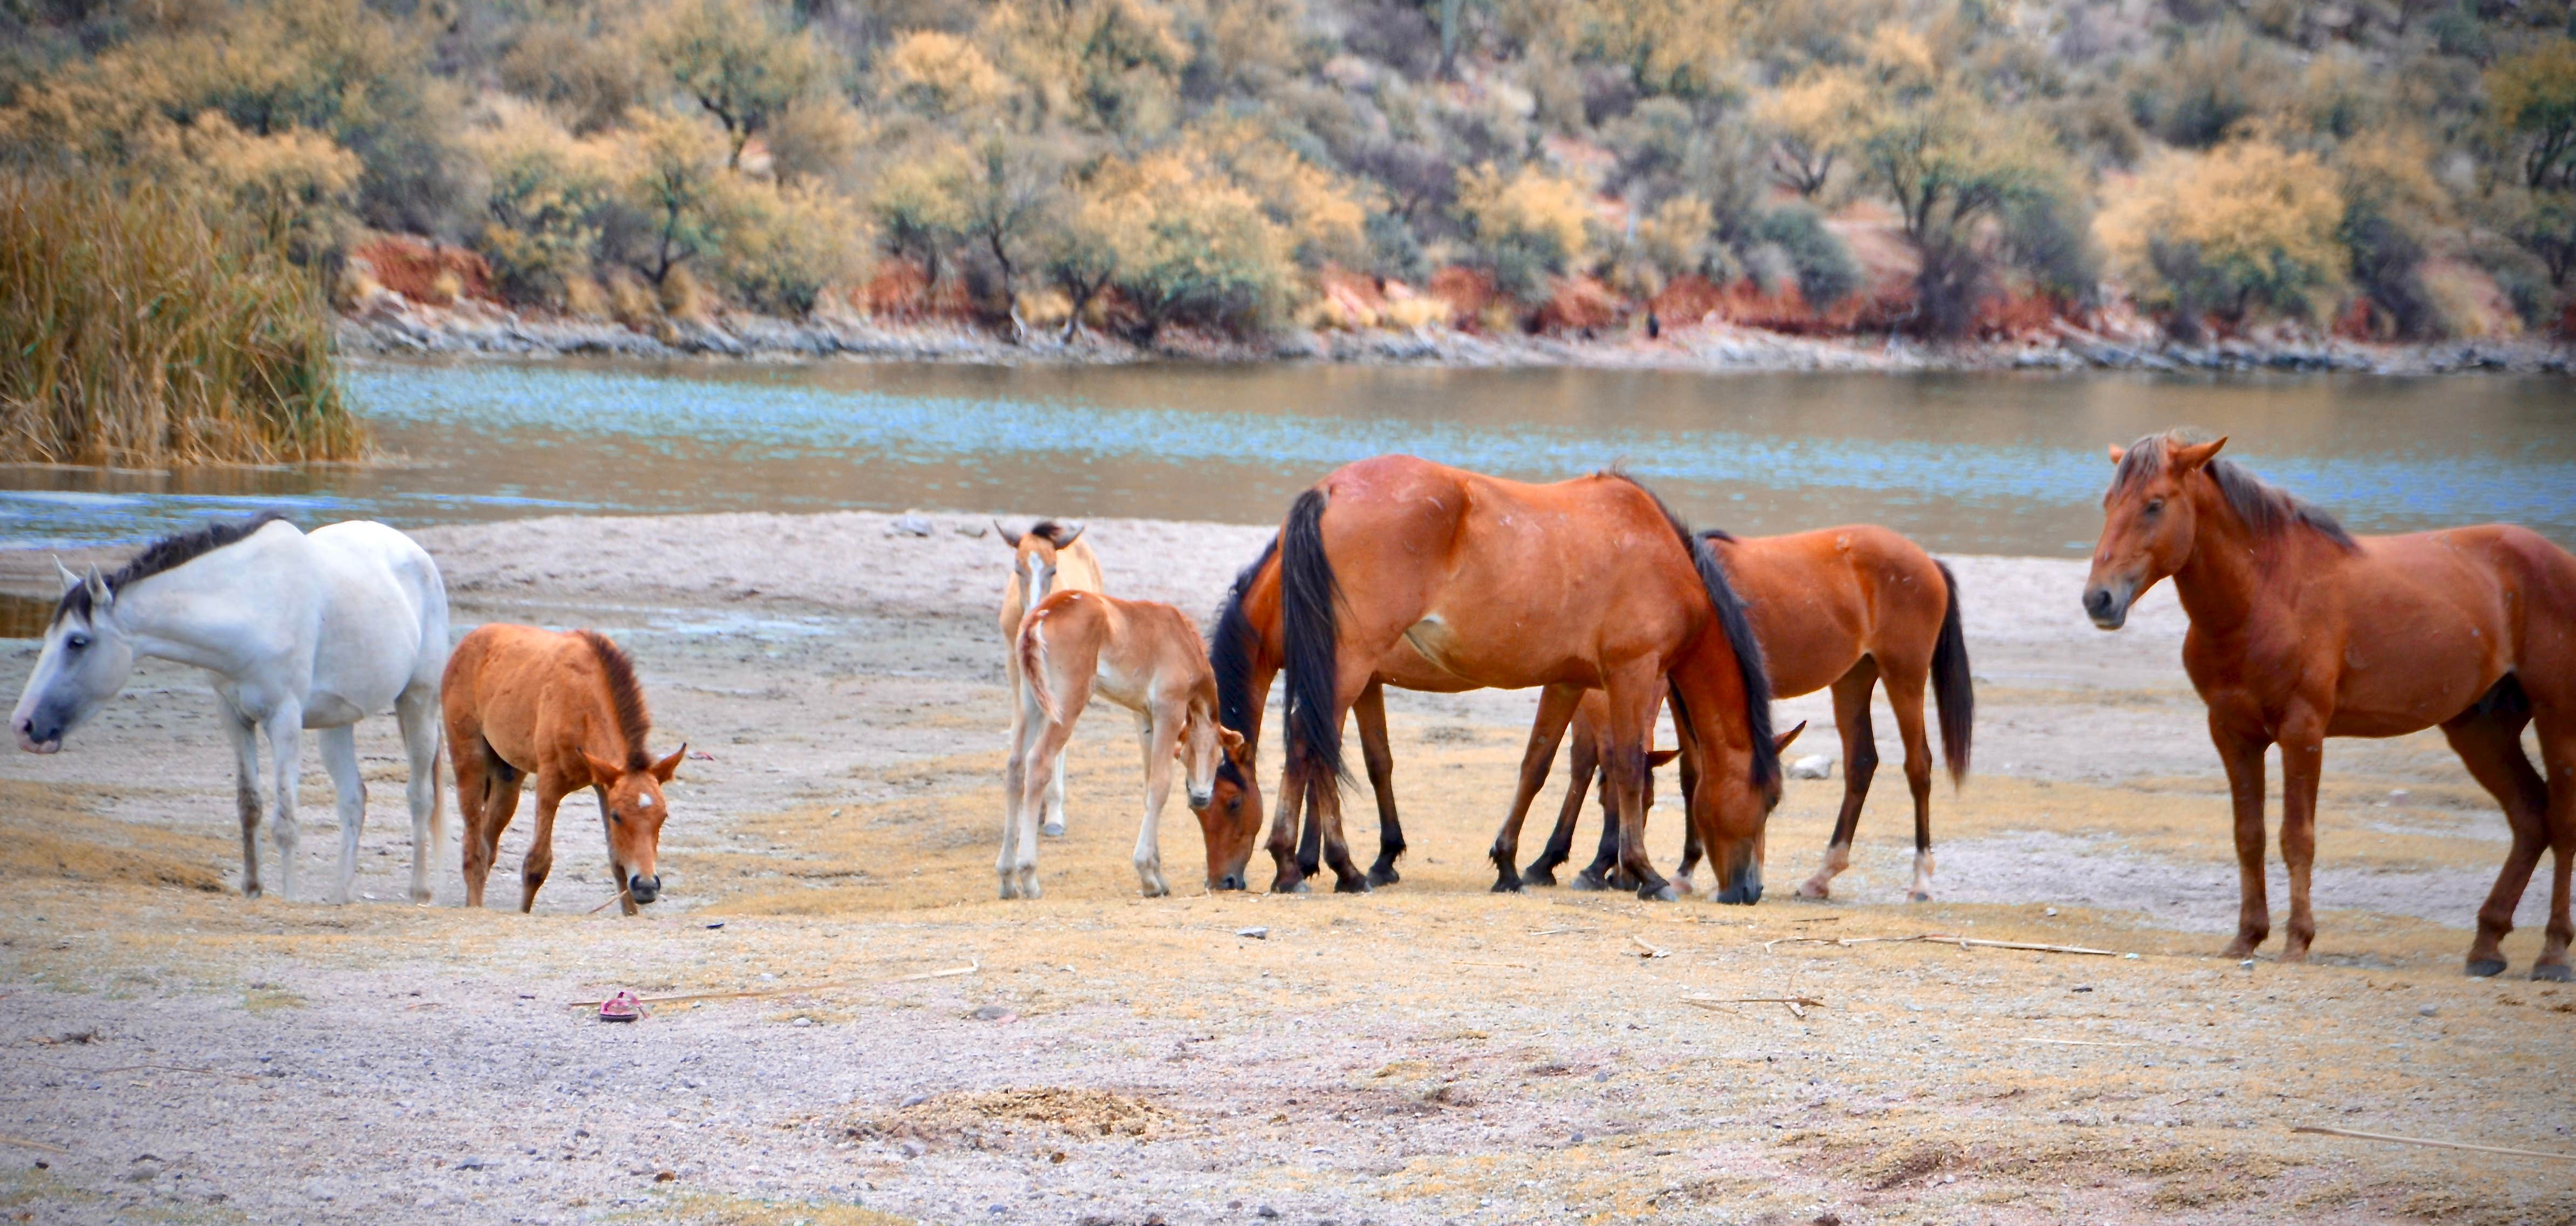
(1054, 827)
(1024, 722)
(1161, 733)
(245, 738)
(285, 728)
(340, 758)
(416, 711)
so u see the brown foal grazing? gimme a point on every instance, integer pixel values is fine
(1850, 608)
(1584, 584)
(2301, 631)
(1046, 559)
(1140, 654)
(564, 707)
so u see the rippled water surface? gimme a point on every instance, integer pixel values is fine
(1965, 463)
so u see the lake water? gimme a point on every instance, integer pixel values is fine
(1964, 463)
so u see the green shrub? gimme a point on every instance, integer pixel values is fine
(1826, 272)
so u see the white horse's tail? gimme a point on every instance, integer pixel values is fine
(1033, 663)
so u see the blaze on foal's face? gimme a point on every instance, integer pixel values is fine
(1231, 817)
(636, 810)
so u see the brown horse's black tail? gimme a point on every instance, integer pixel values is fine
(1951, 686)
(1309, 633)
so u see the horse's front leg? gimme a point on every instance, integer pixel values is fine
(1370, 714)
(244, 735)
(540, 860)
(2303, 744)
(1556, 706)
(285, 728)
(2242, 754)
(340, 758)
(1160, 733)
(1631, 700)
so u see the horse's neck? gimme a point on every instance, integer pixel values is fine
(2220, 583)
(194, 615)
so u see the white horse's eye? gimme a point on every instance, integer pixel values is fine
(76, 642)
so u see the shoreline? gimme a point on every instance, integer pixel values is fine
(479, 329)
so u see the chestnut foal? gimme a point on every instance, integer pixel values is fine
(566, 708)
(1046, 559)
(1144, 656)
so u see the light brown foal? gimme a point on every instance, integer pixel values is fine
(1048, 558)
(566, 708)
(1144, 656)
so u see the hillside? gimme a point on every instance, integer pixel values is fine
(2265, 170)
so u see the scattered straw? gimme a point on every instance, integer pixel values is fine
(2398, 1140)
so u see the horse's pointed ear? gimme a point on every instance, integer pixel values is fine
(71, 578)
(100, 596)
(1228, 737)
(2118, 453)
(602, 771)
(1066, 541)
(1661, 756)
(1781, 741)
(2188, 458)
(1009, 537)
(667, 767)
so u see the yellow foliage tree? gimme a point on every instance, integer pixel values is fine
(1674, 46)
(2531, 101)
(1107, 65)
(1186, 241)
(738, 58)
(2246, 226)
(543, 191)
(939, 74)
(1811, 121)
(1324, 216)
(1529, 223)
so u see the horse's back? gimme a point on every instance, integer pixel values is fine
(1822, 599)
(380, 619)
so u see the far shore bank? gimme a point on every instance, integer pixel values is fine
(473, 328)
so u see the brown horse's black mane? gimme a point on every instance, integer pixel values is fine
(624, 695)
(168, 553)
(1738, 629)
(1055, 533)
(2265, 508)
(1230, 657)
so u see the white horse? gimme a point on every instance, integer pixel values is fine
(301, 631)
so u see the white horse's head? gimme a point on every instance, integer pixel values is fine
(86, 659)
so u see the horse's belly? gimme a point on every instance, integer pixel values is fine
(1452, 660)
(332, 711)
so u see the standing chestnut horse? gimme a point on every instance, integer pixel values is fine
(1844, 607)
(1047, 558)
(566, 708)
(1144, 656)
(2301, 631)
(1585, 584)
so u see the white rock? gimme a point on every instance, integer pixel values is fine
(1813, 766)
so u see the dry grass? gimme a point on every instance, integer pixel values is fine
(144, 328)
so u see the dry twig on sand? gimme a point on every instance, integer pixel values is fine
(1797, 1005)
(1943, 938)
(175, 1068)
(2398, 1140)
(1508, 966)
(1645, 950)
(24, 1143)
(2082, 1043)
(809, 989)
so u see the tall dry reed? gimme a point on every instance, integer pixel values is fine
(144, 328)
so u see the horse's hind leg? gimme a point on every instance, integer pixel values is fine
(2558, 752)
(1905, 694)
(416, 714)
(1054, 827)
(340, 758)
(1860, 763)
(1370, 714)
(500, 804)
(2490, 745)
(244, 736)
(1582, 761)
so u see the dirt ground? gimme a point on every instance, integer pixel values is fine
(1431, 1053)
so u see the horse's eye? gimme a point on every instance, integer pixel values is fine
(76, 642)
(2155, 505)
(1234, 805)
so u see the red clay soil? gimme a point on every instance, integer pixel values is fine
(412, 266)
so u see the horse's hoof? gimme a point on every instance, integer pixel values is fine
(1588, 883)
(1685, 885)
(1919, 896)
(1534, 875)
(2550, 972)
(1661, 893)
(1384, 876)
(1293, 887)
(1053, 830)
(1815, 891)
(1507, 885)
(2489, 968)
(1353, 884)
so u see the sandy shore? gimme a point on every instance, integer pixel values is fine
(1430, 1053)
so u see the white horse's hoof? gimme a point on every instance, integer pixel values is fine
(1818, 888)
(1053, 830)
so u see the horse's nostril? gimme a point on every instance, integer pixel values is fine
(1229, 882)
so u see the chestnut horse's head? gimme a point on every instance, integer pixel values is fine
(1230, 816)
(1034, 555)
(635, 812)
(1206, 746)
(2149, 521)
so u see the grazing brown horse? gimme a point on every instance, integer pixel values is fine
(1145, 657)
(2301, 631)
(1585, 584)
(1849, 608)
(564, 707)
(1046, 559)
